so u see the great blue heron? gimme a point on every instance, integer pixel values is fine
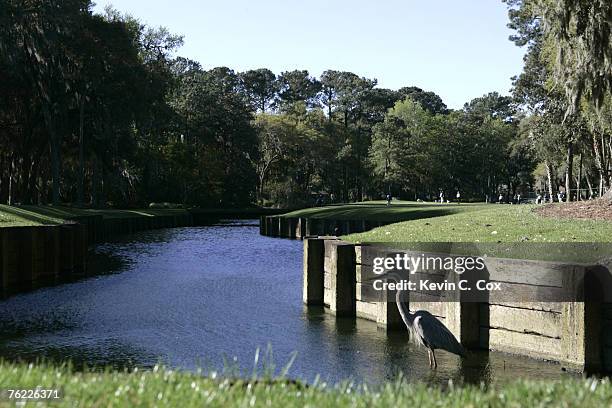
(425, 329)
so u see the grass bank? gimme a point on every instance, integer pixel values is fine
(31, 215)
(491, 223)
(163, 387)
(432, 222)
(34, 215)
(379, 211)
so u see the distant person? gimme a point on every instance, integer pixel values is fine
(441, 196)
(560, 197)
(539, 199)
(501, 198)
(458, 197)
(388, 199)
(332, 198)
(518, 198)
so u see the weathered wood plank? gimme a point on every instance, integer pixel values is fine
(327, 280)
(435, 308)
(367, 310)
(528, 271)
(556, 307)
(520, 343)
(519, 292)
(424, 297)
(521, 320)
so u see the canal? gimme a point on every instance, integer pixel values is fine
(208, 298)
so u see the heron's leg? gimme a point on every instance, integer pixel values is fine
(433, 354)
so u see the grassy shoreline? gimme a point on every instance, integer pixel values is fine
(164, 387)
(35, 215)
(432, 222)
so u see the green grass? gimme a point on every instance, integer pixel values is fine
(11, 216)
(163, 387)
(491, 223)
(32, 215)
(379, 211)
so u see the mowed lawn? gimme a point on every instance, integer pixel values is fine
(379, 211)
(32, 215)
(434, 222)
(491, 223)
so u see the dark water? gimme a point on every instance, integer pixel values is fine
(209, 297)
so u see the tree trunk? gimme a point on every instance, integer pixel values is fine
(95, 181)
(81, 175)
(10, 183)
(579, 180)
(54, 146)
(550, 180)
(588, 180)
(568, 172)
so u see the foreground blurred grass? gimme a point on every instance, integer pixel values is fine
(163, 387)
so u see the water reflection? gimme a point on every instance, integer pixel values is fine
(189, 297)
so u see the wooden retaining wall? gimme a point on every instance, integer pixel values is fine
(299, 228)
(31, 257)
(575, 333)
(35, 256)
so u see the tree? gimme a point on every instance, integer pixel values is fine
(261, 86)
(428, 100)
(582, 32)
(297, 86)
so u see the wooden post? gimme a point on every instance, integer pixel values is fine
(291, 227)
(300, 231)
(340, 270)
(314, 255)
(462, 318)
(66, 249)
(282, 227)
(388, 316)
(580, 325)
(80, 247)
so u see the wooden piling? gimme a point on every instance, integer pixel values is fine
(314, 255)
(580, 326)
(339, 269)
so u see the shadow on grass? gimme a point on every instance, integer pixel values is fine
(27, 215)
(382, 212)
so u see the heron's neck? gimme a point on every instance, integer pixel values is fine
(407, 317)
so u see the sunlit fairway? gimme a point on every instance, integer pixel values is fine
(434, 222)
(379, 211)
(490, 223)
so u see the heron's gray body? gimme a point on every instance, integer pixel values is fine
(426, 330)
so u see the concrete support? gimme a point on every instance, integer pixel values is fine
(462, 318)
(388, 316)
(314, 255)
(580, 326)
(340, 270)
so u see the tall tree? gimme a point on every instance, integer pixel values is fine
(261, 86)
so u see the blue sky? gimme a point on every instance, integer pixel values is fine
(458, 49)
